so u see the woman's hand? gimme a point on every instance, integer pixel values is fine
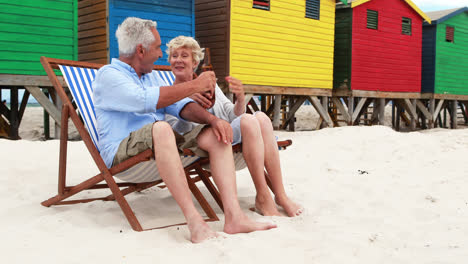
(236, 87)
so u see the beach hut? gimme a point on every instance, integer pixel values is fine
(30, 29)
(98, 20)
(33, 28)
(276, 47)
(378, 46)
(269, 45)
(445, 52)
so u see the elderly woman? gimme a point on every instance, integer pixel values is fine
(255, 131)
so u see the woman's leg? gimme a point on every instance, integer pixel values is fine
(273, 166)
(252, 150)
(223, 171)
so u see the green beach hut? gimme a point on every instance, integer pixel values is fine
(445, 52)
(30, 29)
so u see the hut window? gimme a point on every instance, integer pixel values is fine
(406, 26)
(261, 4)
(449, 34)
(372, 19)
(312, 9)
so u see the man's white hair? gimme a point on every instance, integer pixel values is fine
(185, 42)
(134, 31)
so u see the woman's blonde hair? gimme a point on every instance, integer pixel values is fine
(186, 42)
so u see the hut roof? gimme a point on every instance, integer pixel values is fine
(354, 3)
(442, 15)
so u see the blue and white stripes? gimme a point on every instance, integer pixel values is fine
(167, 76)
(79, 81)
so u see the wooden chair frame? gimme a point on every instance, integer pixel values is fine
(106, 174)
(195, 169)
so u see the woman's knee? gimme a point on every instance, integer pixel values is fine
(248, 121)
(263, 120)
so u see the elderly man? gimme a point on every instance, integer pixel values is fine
(131, 101)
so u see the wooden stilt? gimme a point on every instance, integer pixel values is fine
(453, 115)
(431, 111)
(382, 111)
(343, 111)
(277, 112)
(350, 109)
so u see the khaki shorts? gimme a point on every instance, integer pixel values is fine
(142, 139)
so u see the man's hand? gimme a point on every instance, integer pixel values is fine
(203, 99)
(222, 130)
(206, 82)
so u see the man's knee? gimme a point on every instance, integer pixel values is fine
(162, 131)
(207, 140)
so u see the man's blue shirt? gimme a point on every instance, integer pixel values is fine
(124, 103)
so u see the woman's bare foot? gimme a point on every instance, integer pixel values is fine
(242, 224)
(292, 209)
(266, 206)
(200, 231)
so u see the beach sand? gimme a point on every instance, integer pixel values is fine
(371, 195)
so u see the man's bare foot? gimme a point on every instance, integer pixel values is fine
(265, 205)
(242, 224)
(292, 209)
(200, 231)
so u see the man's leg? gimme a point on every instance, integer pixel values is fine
(273, 166)
(253, 151)
(223, 171)
(171, 171)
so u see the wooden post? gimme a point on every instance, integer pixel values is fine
(398, 116)
(381, 111)
(14, 122)
(263, 103)
(291, 113)
(325, 108)
(350, 109)
(414, 116)
(431, 111)
(445, 117)
(453, 114)
(46, 119)
(342, 110)
(277, 112)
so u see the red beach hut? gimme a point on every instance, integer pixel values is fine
(378, 46)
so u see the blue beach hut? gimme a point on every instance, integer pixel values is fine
(98, 21)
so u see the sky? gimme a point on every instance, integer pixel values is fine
(434, 5)
(424, 5)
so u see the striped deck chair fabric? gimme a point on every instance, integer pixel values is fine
(79, 81)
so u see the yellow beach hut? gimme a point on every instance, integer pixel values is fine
(278, 47)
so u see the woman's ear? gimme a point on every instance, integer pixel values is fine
(195, 65)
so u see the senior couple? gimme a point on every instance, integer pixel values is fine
(131, 102)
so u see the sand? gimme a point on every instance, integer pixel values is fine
(372, 195)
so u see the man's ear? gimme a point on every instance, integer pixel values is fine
(140, 50)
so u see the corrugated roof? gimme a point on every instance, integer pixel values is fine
(441, 15)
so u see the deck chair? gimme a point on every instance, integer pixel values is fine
(139, 172)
